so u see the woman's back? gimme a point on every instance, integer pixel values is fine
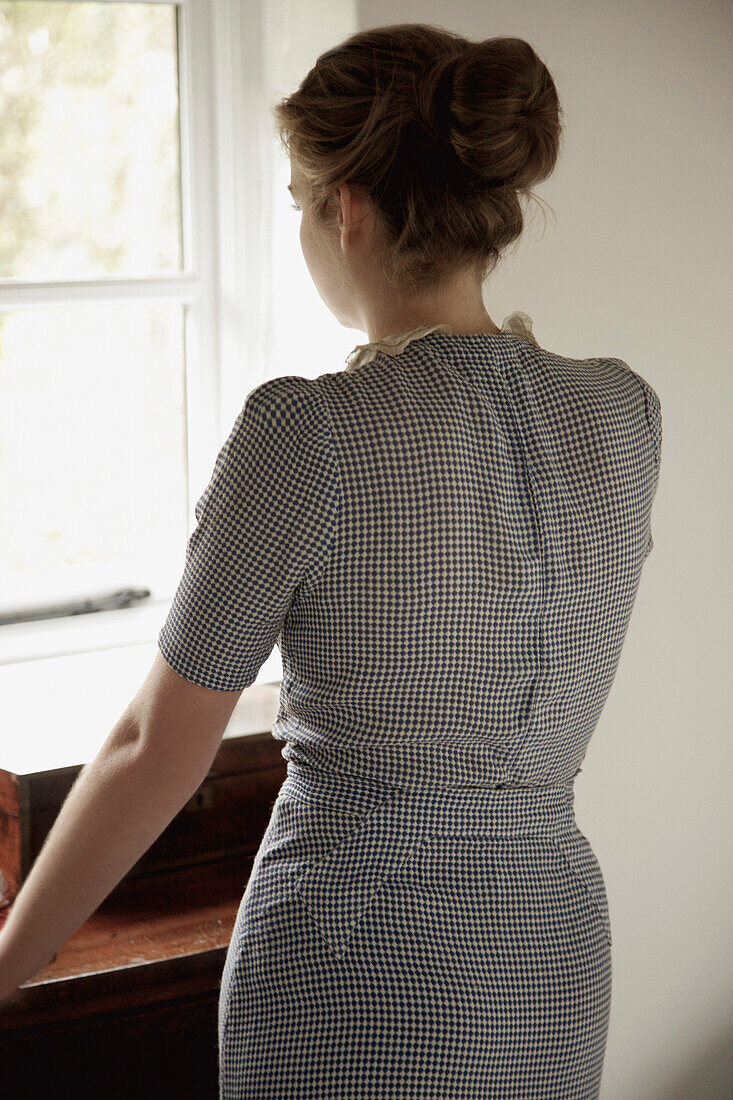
(471, 517)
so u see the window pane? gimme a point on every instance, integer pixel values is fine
(89, 140)
(93, 485)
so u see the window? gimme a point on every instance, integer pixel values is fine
(93, 295)
(148, 255)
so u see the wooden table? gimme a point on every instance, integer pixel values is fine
(128, 1007)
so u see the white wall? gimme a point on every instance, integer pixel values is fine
(636, 264)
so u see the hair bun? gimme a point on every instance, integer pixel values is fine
(439, 87)
(506, 114)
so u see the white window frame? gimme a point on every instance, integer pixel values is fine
(219, 47)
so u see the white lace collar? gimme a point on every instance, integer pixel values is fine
(516, 324)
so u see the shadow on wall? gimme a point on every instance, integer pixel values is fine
(709, 1076)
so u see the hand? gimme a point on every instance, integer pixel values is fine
(4, 891)
(10, 990)
(5, 903)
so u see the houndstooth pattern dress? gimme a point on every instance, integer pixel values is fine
(445, 540)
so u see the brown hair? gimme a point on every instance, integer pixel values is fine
(445, 134)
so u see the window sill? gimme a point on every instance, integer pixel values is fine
(58, 711)
(97, 630)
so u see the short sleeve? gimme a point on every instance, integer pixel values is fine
(653, 411)
(265, 522)
(653, 417)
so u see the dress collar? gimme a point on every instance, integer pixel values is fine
(516, 324)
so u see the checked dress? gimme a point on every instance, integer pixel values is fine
(445, 540)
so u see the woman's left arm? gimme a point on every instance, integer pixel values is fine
(151, 764)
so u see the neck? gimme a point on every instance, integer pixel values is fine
(378, 331)
(460, 307)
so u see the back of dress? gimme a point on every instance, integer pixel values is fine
(445, 540)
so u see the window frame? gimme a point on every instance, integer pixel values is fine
(218, 50)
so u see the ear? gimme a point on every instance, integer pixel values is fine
(345, 212)
(354, 209)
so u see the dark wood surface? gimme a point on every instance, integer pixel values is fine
(128, 1006)
(143, 925)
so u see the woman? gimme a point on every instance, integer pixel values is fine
(445, 540)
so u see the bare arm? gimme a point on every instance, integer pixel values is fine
(152, 762)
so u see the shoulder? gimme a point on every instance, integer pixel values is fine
(649, 404)
(625, 370)
(291, 400)
(288, 401)
(285, 421)
(285, 392)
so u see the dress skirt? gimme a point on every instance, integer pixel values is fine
(432, 943)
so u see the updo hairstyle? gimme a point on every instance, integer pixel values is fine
(445, 134)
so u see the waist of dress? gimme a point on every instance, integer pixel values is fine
(438, 809)
(383, 827)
